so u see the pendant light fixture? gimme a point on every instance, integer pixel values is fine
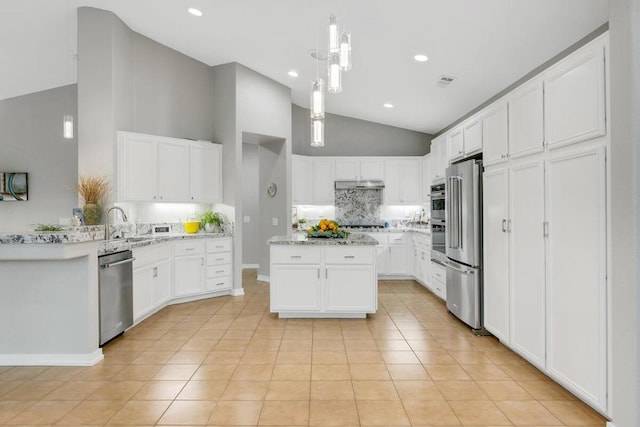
(345, 51)
(67, 126)
(67, 119)
(317, 99)
(317, 133)
(334, 73)
(334, 35)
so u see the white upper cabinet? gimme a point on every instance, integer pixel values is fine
(455, 144)
(323, 180)
(403, 181)
(438, 158)
(349, 168)
(206, 172)
(495, 134)
(526, 121)
(173, 171)
(574, 98)
(301, 179)
(161, 169)
(426, 178)
(472, 132)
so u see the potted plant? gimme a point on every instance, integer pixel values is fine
(301, 223)
(211, 221)
(92, 190)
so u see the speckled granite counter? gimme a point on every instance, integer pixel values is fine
(354, 239)
(69, 235)
(117, 245)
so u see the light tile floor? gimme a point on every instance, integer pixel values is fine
(227, 361)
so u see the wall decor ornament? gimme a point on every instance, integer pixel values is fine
(13, 186)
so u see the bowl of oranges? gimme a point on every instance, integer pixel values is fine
(327, 228)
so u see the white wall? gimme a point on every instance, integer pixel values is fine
(250, 204)
(624, 24)
(31, 141)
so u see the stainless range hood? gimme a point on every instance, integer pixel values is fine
(365, 184)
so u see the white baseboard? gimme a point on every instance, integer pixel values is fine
(263, 278)
(76, 359)
(236, 292)
(246, 266)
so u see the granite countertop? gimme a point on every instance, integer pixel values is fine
(356, 239)
(69, 235)
(421, 229)
(117, 245)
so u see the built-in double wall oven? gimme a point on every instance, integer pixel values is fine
(438, 224)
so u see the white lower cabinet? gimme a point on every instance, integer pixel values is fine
(189, 268)
(438, 283)
(392, 253)
(219, 265)
(323, 281)
(545, 288)
(152, 278)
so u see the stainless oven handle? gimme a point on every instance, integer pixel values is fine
(437, 261)
(113, 264)
(460, 270)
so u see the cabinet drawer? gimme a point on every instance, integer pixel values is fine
(438, 272)
(398, 238)
(219, 283)
(439, 288)
(219, 270)
(151, 255)
(189, 248)
(218, 245)
(349, 255)
(218, 259)
(295, 255)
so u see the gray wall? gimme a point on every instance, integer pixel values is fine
(129, 82)
(250, 204)
(345, 136)
(31, 141)
(624, 21)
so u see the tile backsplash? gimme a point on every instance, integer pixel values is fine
(358, 206)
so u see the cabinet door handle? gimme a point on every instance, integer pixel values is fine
(504, 225)
(296, 256)
(509, 226)
(326, 273)
(219, 259)
(190, 249)
(201, 261)
(220, 284)
(219, 271)
(349, 256)
(155, 271)
(545, 229)
(318, 273)
(219, 247)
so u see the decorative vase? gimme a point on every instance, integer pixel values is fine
(211, 228)
(92, 213)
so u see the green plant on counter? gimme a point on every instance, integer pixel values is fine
(302, 221)
(47, 227)
(210, 217)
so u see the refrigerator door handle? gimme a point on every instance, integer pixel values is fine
(460, 270)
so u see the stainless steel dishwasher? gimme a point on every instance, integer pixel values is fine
(115, 281)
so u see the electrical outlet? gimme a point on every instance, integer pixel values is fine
(274, 221)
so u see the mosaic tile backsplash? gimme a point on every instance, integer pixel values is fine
(358, 206)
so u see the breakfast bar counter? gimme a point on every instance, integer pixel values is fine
(323, 277)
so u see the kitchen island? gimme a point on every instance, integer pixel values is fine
(317, 277)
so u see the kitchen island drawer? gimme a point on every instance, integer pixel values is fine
(219, 270)
(296, 255)
(189, 248)
(350, 255)
(218, 245)
(219, 283)
(219, 258)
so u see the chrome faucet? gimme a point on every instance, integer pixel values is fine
(106, 227)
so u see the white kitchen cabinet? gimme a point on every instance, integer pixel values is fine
(439, 160)
(403, 180)
(152, 279)
(219, 264)
(473, 138)
(137, 168)
(398, 254)
(323, 180)
(350, 168)
(495, 214)
(526, 261)
(301, 179)
(438, 283)
(576, 263)
(205, 172)
(323, 281)
(574, 98)
(495, 134)
(455, 144)
(190, 269)
(526, 134)
(162, 169)
(426, 178)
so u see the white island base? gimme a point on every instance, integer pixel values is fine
(323, 279)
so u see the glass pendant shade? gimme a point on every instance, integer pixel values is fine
(317, 99)
(67, 126)
(334, 35)
(345, 51)
(334, 73)
(317, 132)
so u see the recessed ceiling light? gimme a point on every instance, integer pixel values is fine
(387, 105)
(293, 73)
(194, 11)
(421, 58)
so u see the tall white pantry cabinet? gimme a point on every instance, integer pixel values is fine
(545, 222)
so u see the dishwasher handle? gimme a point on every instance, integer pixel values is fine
(113, 264)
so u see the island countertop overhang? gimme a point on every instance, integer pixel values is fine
(354, 239)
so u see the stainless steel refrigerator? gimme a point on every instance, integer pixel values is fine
(463, 241)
